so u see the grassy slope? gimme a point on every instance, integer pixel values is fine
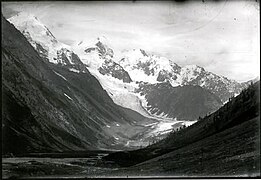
(234, 151)
(226, 124)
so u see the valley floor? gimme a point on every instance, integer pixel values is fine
(44, 167)
(233, 152)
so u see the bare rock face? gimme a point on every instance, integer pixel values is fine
(104, 50)
(165, 76)
(109, 67)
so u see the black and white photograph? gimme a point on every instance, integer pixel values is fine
(130, 89)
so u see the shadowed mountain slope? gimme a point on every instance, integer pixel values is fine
(182, 102)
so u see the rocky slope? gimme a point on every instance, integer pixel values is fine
(182, 102)
(109, 67)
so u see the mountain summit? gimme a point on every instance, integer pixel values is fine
(98, 56)
(44, 42)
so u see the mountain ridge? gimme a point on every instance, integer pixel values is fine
(135, 66)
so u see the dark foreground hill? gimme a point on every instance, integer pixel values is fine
(224, 143)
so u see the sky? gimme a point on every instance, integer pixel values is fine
(222, 36)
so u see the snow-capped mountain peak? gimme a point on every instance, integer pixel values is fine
(134, 55)
(38, 35)
(104, 40)
(93, 52)
(84, 44)
(194, 68)
(191, 72)
(44, 42)
(99, 57)
(146, 67)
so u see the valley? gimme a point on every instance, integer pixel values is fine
(69, 69)
(86, 110)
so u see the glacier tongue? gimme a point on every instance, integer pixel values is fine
(121, 93)
(124, 95)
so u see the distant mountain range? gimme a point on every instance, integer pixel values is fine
(134, 68)
(89, 97)
(154, 69)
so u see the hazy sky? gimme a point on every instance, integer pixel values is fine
(223, 37)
